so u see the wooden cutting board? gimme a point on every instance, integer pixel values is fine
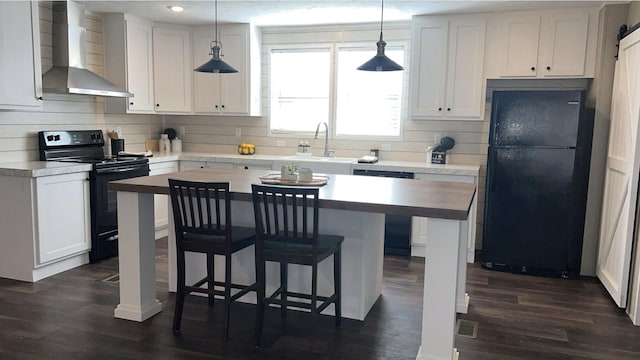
(151, 145)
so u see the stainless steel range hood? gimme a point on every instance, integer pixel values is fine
(69, 74)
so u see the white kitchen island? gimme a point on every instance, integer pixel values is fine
(351, 204)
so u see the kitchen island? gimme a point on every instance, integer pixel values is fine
(355, 205)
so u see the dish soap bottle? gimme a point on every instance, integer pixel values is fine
(165, 143)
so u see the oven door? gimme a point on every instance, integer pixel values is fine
(104, 211)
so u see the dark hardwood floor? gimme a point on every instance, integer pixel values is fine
(70, 316)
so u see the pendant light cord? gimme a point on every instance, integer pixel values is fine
(215, 16)
(381, 18)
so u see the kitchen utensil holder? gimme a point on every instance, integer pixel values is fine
(117, 145)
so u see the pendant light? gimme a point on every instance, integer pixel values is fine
(216, 65)
(380, 62)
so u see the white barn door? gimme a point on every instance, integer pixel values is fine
(621, 178)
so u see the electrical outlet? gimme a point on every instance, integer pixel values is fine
(437, 137)
(280, 143)
(119, 131)
(183, 130)
(385, 147)
(238, 132)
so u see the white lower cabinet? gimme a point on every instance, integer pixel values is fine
(161, 202)
(251, 166)
(46, 230)
(188, 165)
(419, 224)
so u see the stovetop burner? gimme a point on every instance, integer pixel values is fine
(106, 160)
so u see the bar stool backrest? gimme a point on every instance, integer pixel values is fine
(201, 208)
(286, 214)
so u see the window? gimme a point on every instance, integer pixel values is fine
(300, 81)
(368, 103)
(305, 89)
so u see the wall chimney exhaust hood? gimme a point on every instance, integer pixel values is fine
(69, 74)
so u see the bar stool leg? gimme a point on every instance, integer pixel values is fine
(180, 293)
(314, 290)
(210, 278)
(284, 268)
(337, 272)
(227, 294)
(260, 294)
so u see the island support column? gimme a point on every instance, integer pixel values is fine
(440, 289)
(136, 253)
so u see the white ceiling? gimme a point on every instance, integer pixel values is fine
(308, 12)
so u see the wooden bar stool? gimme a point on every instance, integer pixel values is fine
(202, 217)
(287, 233)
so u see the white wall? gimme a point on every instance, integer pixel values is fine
(633, 15)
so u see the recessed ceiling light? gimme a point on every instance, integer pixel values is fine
(176, 8)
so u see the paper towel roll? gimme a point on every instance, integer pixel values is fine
(176, 145)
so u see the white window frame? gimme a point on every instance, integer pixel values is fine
(403, 102)
(306, 46)
(334, 47)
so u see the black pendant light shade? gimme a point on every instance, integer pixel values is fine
(216, 65)
(380, 62)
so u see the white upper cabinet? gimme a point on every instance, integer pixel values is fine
(129, 62)
(521, 34)
(172, 69)
(20, 69)
(447, 67)
(554, 43)
(232, 93)
(140, 62)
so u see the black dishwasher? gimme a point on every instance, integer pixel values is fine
(397, 228)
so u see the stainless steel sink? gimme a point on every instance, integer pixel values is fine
(341, 160)
(318, 164)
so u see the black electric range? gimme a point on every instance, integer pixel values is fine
(87, 146)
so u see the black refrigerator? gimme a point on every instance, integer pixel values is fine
(537, 178)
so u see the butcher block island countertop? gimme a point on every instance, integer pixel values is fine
(434, 199)
(352, 206)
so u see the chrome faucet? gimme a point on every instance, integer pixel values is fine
(326, 137)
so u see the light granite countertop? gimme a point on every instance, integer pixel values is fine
(409, 166)
(48, 168)
(41, 168)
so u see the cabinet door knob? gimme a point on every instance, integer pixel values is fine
(439, 109)
(548, 67)
(448, 109)
(222, 106)
(216, 106)
(131, 103)
(157, 105)
(533, 68)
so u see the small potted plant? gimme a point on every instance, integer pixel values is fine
(289, 172)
